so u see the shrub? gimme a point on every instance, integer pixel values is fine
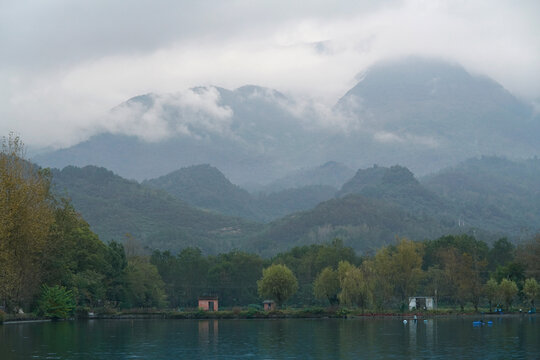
(237, 310)
(2, 316)
(342, 312)
(56, 302)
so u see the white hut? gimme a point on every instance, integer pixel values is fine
(422, 303)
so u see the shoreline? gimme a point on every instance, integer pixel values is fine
(262, 315)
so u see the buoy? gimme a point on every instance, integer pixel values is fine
(404, 322)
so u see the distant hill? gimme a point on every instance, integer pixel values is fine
(206, 187)
(489, 197)
(285, 202)
(493, 193)
(114, 206)
(363, 223)
(397, 185)
(331, 173)
(425, 114)
(438, 114)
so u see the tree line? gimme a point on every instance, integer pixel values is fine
(48, 253)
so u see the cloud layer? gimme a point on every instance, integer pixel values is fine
(65, 64)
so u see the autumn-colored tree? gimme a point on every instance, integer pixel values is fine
(395, 272)
(462, 272)
(407, 267)
(26, 216)
(529, 255)
(380, 276)
(469, 279)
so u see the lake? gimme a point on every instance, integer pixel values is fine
(509, 337)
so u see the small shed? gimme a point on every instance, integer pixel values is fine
(208, 303)
(421, 303)
(269, 305)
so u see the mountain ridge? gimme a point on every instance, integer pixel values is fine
(422, 113)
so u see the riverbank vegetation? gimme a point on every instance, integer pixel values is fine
(51, 263)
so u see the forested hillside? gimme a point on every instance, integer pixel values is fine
(493, 193)
(331, 173)
(114, 206)
(206, 187)
(363, 223)
(487, 197)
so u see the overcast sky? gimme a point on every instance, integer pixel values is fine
(65, 63)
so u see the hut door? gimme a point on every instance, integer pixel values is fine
(211, 305)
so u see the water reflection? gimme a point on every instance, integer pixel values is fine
(208, 334)
(509, 337)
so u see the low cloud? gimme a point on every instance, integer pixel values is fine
(153, 117)
(386, 137)
(66, 64)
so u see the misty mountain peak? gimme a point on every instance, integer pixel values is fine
(398, 175)
(379, 177)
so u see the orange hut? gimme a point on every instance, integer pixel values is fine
(208, 303)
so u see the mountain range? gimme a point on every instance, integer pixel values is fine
(207, 187)
(489, 197)
(425, 114)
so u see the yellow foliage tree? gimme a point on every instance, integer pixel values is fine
(26, 216)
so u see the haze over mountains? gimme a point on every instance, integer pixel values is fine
(256, 170)
(424, 114)
(193, 207)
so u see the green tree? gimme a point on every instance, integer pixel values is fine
(379, 272)
(433, 282)
(326, 286)
(26, 216)
(277, 283)
(491, 289)
(77, 259)
(307, 262)
(507, 291)
(407, 268)
(145, 288)
(56, 302)
(354, 287)
(531, 290)
(501, 253)
(233, 277)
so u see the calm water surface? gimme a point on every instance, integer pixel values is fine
(370, 338)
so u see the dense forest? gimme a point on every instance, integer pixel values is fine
(488, 197)
(49, 254)
(115, 206)
(206, 187)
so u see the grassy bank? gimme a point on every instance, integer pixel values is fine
(251, 313)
